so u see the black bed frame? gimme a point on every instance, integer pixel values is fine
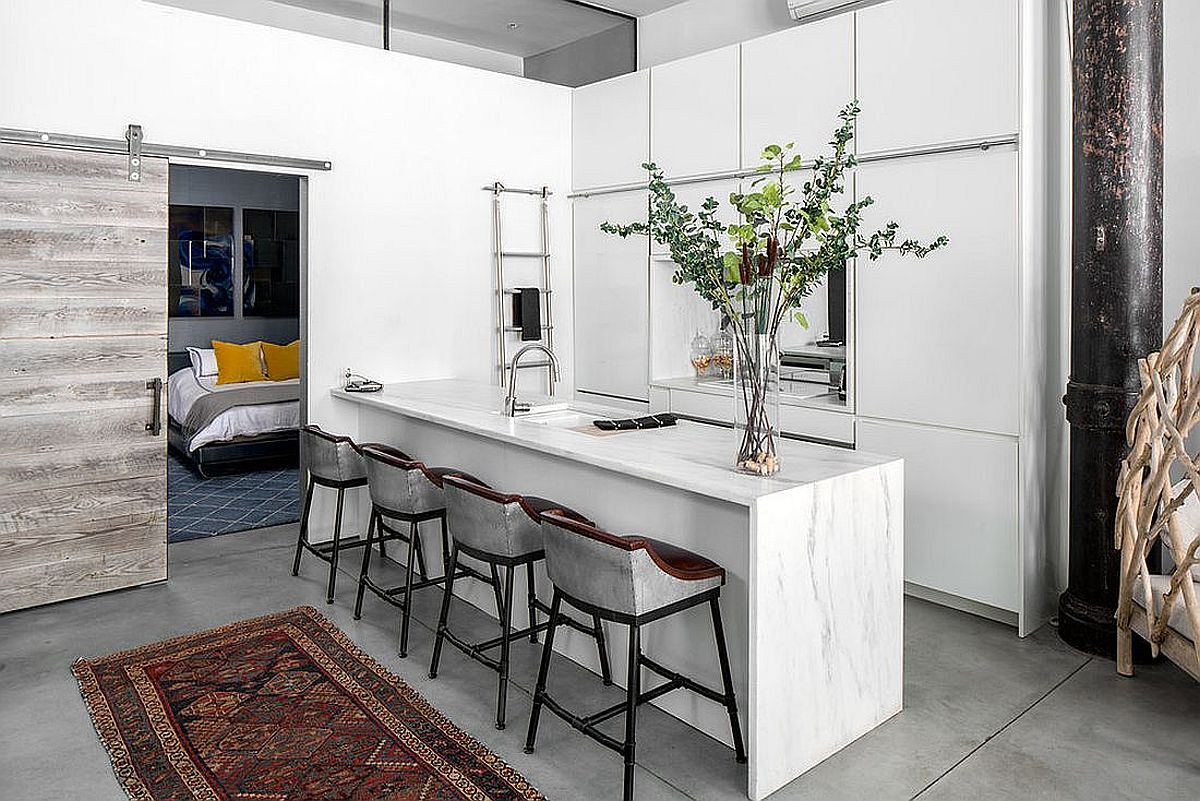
(240, 453)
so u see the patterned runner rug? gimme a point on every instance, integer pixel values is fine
(284, 708)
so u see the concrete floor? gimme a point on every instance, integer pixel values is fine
(987, 716)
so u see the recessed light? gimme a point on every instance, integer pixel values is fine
(512, 26)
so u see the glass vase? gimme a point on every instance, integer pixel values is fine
(756, 403)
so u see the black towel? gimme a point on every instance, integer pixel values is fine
(527, 313)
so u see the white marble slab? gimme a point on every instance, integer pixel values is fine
(691, 456)
(827, 620)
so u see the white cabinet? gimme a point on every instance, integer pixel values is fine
(611, 298)
(932, 71)
(937, 338)
(779, 105)
(694, 113)
(960, 509)
(610, 131)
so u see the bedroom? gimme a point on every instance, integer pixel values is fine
(233, 331)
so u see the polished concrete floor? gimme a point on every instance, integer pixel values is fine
(987, 716)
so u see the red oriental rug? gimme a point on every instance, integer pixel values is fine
(279, 708)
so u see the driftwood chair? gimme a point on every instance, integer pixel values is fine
(1155, 505)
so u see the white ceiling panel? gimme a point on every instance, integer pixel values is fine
(540, 25)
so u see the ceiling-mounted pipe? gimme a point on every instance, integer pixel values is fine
(387, 25)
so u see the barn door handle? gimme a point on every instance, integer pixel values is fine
(155, 424)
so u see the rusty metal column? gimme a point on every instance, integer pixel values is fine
(1116, 284)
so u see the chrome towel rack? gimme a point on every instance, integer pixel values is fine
(503, 291)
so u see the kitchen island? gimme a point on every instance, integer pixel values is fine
(814, 555)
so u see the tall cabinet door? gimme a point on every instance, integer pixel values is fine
(612, 300)
(83, 323)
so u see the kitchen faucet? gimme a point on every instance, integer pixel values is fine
(511, 404)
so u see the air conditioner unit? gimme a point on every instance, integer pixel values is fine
(804, 10)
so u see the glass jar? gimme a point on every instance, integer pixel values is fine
(701, 355)
(722, 358)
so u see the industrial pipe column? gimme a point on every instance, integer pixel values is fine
(1116, 284)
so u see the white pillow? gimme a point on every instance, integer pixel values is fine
(204, 361)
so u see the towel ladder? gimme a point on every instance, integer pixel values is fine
(503, 327)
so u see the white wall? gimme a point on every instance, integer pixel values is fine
(1181, 144)
(400, 253)
(333, 26)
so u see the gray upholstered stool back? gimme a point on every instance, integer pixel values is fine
(631, 575)
(332, 458)
(492, 522)
(398, 483)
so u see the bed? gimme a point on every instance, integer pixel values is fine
(234, 425)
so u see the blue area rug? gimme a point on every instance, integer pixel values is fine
(204, 507)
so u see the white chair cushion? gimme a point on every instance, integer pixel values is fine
(1158, 587)
(1187, 517)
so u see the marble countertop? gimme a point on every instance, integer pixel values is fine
(826, 401)
(689, 456)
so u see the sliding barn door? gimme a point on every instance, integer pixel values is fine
(83, 327)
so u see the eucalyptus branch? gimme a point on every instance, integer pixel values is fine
(787, 240)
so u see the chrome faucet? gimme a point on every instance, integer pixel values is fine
(511, 404)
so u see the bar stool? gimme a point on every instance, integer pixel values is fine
(334, 461)
(501, 531)
(405, 490)
(632, 580)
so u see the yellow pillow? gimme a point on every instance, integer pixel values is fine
(237, 364)
(283, 361)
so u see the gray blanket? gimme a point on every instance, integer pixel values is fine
(207, 408)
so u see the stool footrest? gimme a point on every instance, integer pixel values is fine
(324, 550)
(676, 680)
(585, 725)
(389, 594)
(475, 651)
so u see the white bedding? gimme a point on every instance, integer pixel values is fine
(183, 389)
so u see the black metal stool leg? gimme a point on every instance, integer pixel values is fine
(540, 689)
(531, 600)
(303, 536)
(406, 615)
(366, 562)
(633, 689)
(739, 747)
(421, 571)
(497, 590)
(337, 545)
(445, 544)
(602, 650)
(505, 616)
(443, 619)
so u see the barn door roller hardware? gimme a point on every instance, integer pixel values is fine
(133, 146)
(133, 135)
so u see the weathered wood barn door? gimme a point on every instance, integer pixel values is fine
(83, 333)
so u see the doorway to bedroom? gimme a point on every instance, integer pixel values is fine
(233, 350)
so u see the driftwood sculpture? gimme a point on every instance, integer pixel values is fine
(1159, 501)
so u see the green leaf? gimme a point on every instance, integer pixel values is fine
(799, 317)
(732, 262)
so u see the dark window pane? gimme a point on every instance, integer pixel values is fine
(200, 261)
(271, 263)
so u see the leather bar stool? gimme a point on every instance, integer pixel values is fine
(632, 580)
(501, 531)
(335, 462)
(407, 491)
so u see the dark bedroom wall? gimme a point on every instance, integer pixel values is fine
(208, 186)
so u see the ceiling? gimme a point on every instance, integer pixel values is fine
(541, 25)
